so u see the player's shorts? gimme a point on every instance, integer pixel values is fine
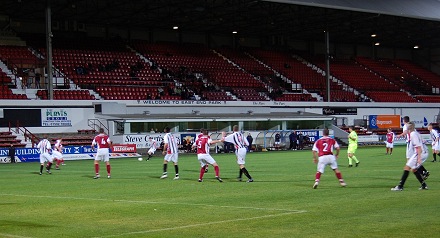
(103, 155)
(205, 159)
(389, 145)
(436, 146)
(172, 157)
(57, 154)
(352, 149)
(241, 155)
(408, 152)
(412, 161)
(151, 150)
(45, 157)
(277, 142)
(327, 160)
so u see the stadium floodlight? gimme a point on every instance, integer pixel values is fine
(175, 27)
(416, 47)
(373, 35)
(234, 32)
(377, 43)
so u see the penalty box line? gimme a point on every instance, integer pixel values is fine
(202, 224)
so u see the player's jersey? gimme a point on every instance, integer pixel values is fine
(237, 139)
(102, 141)
(203, 143)
(44, 146)
(325, 146)
(405, 128)
(354, 135)
(153, 144)
(390, 137)
(58, 146)
(415, 140)
(434, 135)
(171, 140)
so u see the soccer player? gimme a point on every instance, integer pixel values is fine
(170, 150)
(323, 155)
(153, 147)
(240, 142)
(422, 170)
(202, 143)
(102, 142)
(352, 147)
(418, 153)
(45, 150)
(390, 141)
(435, 142)
(57, 153)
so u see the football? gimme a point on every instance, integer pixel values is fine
(140, 158)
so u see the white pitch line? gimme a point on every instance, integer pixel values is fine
(153, 202)
(13, 236)
(201, 224)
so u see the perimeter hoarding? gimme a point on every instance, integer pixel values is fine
(384, 121)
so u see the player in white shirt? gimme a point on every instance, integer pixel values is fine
(435, 141)
(153, 147)
(240, 142)
(418, 153)
(171, 152)
(57, 153)
(45, 151)
(422, 170)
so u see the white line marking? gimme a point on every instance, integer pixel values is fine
(151, 202)
(13, 236)
(200, 224)
(284, 212)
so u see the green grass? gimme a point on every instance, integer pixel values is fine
(280, 203)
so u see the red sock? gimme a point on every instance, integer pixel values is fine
(339, 176)
(58, 163)
(217, 171)
(202, 172)
(97, 168)
(317, 176)
(108, 169)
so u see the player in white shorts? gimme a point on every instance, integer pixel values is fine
(45, 151)
(435, 141)
(418, 153)
(153, 147)
(240, 142)
(57, 154)
(171, 152)
(202, 143)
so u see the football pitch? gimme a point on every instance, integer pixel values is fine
(280, 203)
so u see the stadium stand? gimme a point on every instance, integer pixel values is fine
(7, 139)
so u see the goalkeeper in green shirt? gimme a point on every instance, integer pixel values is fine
(352, 147)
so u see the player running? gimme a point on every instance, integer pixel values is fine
(170, 150)
(45, 151)
(418, 153)
(153, 147)
(57, 153)
(202, 143)
(323, 156)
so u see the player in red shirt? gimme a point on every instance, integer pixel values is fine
(202, 143)
(323, 155)
(103, 143)
(390, 141)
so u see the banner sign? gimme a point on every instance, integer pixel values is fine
(56, 117)
(384, 121)
(69, 153)
(418, 121)
(339, 111)
(141, 141)
(368, 138)
(128, 148)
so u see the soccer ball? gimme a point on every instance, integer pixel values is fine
(140, 158)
